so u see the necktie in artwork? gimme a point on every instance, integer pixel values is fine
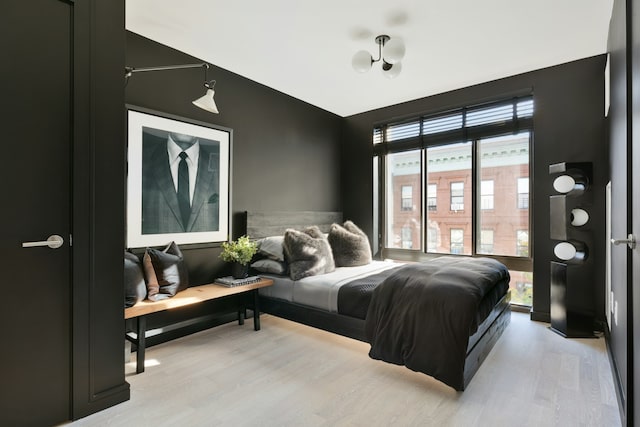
(183, 189)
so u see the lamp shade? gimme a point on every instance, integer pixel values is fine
(573, 252)
(564, 183)
(565, 251)
(579, 217)
(392, 71)
(206, 102)
(361, 61)
(394, 51)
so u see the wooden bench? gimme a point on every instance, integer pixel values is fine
(189, 296)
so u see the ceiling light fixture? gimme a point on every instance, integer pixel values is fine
(205, 102)
(393, 53)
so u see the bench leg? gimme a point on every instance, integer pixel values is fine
(256, 311)
(241, 315)
(141, 329)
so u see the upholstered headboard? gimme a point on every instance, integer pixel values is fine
(264, 224)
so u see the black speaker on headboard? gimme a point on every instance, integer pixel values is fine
(570, 229)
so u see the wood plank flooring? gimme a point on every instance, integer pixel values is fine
(288, 374)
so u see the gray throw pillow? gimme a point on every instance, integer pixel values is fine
(135, 288)
(166, 272)
(350, 245)
(272, 247)
(308, 253)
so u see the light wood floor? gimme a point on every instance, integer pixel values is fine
(292, 375)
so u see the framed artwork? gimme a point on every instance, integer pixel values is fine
(178, 180)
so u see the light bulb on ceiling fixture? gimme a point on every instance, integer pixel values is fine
(391, 71)
(394, 51)
(362, 61)
(390, 52)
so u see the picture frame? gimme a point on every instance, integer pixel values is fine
(156, 213)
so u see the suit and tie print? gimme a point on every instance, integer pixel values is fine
(180, 185)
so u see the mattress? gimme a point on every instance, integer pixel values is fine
(321, 291)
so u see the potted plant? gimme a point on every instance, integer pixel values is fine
(239, 253)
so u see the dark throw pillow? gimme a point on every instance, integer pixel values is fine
(268, 265)
(135, 289)
(349, 244)
(166, 272)
(308, 253)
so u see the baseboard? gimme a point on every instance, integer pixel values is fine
(539, 316)
(620, 394)
(101, 401)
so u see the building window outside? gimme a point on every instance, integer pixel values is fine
(432, 197)
(407, 240)
(486, 242)
(523, 193)
(522, 243)
(433, 238)
(457, 241)
(407, 197)
(457, 196)
(486, 194)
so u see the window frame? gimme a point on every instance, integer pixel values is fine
(449, 132)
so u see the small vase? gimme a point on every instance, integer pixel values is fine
(239, 271)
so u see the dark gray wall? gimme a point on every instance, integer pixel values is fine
(568, 126)
(286, 153)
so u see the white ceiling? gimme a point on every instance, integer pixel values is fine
(304, 48)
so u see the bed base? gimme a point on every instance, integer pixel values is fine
(480, 343)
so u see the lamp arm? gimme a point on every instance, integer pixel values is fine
(128, 71)
(380, 40)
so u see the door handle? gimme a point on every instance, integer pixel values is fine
(629, 241)
(54, 242)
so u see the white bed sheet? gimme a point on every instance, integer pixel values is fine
(321, 291)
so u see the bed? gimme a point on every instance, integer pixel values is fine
(364, 302)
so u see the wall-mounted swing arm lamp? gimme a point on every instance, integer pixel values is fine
(205, 102)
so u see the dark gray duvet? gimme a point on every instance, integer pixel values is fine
(422, 315)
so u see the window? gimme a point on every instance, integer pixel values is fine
(403, 188)
(432, 197)
(501, 160)
(407, 198)
(451, 165)
(522, 243)
(523, 193)
(486, 194)
(486, 242)
(480, 155)
(457, 196)
(457, 241)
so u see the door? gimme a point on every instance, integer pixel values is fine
(35, 362)
(620, 301)
(634, 183)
